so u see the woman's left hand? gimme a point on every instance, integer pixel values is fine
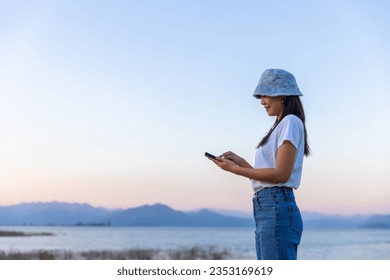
(224, 164)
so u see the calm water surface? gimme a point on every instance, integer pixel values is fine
(316, 244)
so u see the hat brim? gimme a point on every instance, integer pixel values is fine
(258, 95)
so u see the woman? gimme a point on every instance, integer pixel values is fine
(277, 169)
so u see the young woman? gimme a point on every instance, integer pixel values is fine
(277, 169)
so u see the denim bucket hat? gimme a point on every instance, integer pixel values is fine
(277, 82)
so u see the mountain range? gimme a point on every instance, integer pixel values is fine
(60, 213)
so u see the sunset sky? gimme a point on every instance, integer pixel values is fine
(114, 103)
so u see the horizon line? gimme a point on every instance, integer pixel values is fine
(194, 210)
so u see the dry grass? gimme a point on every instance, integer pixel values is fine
(198, 253)
(5, 233)
(193, 253)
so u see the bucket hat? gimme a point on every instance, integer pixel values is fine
(277, 82)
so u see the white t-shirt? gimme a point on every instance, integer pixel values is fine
(289, 129)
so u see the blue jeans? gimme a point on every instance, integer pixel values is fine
(278, 224)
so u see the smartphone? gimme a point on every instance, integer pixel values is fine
(210, 155)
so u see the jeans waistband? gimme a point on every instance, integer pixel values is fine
(274, 191)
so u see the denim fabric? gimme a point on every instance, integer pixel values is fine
(277, 82)
(278, 224)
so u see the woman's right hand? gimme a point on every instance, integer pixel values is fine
(233, 157)
(236, 159)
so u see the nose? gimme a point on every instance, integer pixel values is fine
(263, 100)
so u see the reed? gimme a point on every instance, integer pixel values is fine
(192, 253)
(6, 233)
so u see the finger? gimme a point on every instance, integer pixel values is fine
(230, 157)
(215, 161)
(220, 159)
(226, 154)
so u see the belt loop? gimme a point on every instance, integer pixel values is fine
(285, 190)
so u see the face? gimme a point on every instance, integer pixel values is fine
(273, 105)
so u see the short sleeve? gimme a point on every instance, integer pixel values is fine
(290, 129)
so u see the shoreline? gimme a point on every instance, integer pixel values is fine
(191, 253)
(12, 233)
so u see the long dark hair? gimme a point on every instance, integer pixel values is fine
(292, 106)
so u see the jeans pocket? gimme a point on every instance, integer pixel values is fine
(296, 223)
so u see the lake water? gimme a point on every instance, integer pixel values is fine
(362, 244)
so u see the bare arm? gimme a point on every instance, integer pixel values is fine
(281, 173)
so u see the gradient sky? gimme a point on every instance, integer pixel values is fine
(114, 103)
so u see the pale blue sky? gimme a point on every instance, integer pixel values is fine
(115, 102)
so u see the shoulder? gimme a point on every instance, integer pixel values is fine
(290, 128)
(291, 120)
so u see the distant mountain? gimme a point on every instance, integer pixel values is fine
(314, 220)
(162, 215)
(377, 221)
(154, 215)
(232, 213)
(58, 213)
(211, 218)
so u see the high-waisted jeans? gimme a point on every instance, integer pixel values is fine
(278, 224)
